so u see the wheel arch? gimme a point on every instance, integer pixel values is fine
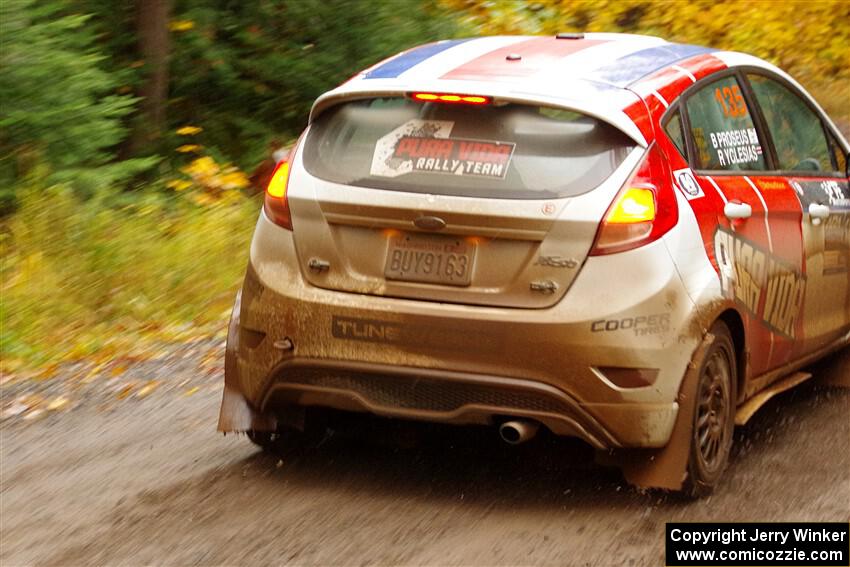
(735, 323)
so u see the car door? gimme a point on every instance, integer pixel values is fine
(757, 240)
(808, 156)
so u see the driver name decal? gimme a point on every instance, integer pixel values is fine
(736, 146)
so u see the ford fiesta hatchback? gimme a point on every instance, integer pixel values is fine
(612, 237)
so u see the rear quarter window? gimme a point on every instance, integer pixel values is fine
(673, 129)
(510, 151)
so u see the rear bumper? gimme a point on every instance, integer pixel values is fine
(448, 397)
(460, 364)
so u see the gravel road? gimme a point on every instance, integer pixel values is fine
(147, 480)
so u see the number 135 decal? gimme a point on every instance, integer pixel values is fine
(731, 100)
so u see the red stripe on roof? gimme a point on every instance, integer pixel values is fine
(536, 54)
(670, 82)
(702, 65)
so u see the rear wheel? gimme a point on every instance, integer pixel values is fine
(714, 415)
(271, 440)
(286, 439)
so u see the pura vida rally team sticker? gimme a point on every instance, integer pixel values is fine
(424, 146)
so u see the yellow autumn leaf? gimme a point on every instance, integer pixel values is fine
(201, 166)
(147, 389)
(125, 391)
(234, 180)
(181, 25)
(178, 184)
(189, 130)
(188, 148)
(57, 403)
(204, 199)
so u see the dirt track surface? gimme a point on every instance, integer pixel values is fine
(148, 481)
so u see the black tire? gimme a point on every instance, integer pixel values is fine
(714, 415)
(288, 439)
(270, 440)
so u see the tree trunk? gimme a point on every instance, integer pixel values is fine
(152, 18)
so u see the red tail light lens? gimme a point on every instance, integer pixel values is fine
(451, 98)
(643, 211)
(276, 202)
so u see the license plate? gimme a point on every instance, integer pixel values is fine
(431, 259)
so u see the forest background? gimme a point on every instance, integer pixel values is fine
(129, 132)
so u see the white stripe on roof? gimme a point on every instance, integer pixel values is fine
(443, 62)
(581, 64)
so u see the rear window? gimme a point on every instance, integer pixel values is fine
(508, 151)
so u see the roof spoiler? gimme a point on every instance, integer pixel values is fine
(607, 106)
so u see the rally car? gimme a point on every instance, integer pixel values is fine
(613, 237)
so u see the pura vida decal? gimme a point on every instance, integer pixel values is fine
(763, 284)
(424, 146)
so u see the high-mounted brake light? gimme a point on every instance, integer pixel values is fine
(643, 211)
(451, 98)
(276, 200)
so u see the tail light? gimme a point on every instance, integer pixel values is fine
(644, 210)
(276, 201)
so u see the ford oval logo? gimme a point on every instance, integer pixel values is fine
(430, 223)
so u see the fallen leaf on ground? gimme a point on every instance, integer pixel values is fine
(57, 403)
(117, 370)
(191, 391)
(49, 371)
(147, 388)
(125, 391)
(17, 408)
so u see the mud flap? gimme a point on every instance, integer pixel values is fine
(236, 414)
(666, 467)
(837, 373)
(238, 417)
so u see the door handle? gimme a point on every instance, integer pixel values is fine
(818, 213)
(734, 210)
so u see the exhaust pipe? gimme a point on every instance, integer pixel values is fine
(518, 431)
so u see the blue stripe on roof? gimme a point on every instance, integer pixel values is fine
(398, 65)
(631, 68)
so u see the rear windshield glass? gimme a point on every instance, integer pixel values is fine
(508, 151)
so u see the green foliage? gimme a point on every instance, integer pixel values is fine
(88, 267)
(59, 106)
(113, 273)
(248, 72)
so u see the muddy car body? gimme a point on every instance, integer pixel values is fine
(619, 238)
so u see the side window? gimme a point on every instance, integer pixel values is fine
(722, 128)
(673, 128)
(796, 129)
